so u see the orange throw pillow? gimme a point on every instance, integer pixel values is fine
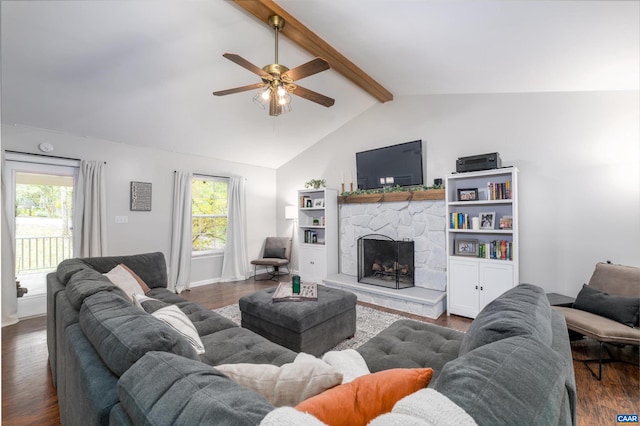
(141, 283)
(365, 398)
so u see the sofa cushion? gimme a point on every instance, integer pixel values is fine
(121, 333)
(288, 384)
(68, 267)
(235, 345)
(360, 401)
(151, 267)
(411, 344)
(521, 311)
(618, 308)
(87, 282)
(512, 381)
(166, 389)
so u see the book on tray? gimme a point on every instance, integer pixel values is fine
(284, 292)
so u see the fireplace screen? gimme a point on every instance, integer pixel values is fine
(385, 262)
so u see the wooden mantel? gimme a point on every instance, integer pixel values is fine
(389, 197)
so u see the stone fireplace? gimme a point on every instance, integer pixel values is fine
(422, 222)
(419, 221)
(385, 262)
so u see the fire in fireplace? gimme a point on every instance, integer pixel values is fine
(385, 262)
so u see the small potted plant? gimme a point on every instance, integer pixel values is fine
(315, 183)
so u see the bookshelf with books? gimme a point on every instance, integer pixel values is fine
(317, 233)
(481, 238)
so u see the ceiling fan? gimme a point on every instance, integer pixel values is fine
(278, 80)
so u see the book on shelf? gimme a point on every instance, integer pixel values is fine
(284, 293)
(500, 249)
(459, 221)
(311, 237)
(499, 190)
(305, 202)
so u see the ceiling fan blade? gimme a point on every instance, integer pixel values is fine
(312, 96)
(239, 89)
(237, 59)
(305, 70)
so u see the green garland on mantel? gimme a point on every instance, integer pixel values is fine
(397, 188)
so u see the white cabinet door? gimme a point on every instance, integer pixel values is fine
(463, 288)
(313, 264)
(495, 279)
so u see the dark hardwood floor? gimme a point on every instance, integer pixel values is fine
(29, 398)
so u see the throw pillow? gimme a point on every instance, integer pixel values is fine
(148, 304)
(274, 253)
(289, 384)
(349, 362)
(145, 288)
(618, 308)
(428, 406)
(177, 320)
(120, 277)
(365, 398)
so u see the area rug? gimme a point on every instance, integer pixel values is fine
(369, 322)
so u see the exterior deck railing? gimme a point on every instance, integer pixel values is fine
(41, 253)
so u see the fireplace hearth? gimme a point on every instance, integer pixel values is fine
(386, 262)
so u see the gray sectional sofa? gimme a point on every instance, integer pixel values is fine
(112, 363)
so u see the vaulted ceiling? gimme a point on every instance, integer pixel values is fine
(142, 72)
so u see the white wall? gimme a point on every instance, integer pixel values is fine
(150, 231)
(578, 155)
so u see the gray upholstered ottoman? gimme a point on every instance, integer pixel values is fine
(311, 326)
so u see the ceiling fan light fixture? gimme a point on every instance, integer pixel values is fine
(263, 98)
(285, 99)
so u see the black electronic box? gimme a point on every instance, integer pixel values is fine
(478, 162)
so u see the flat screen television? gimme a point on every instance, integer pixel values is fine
(390, 166)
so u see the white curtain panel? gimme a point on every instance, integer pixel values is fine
(180, 256)
(90, 211)
(234, 263)
(9, 297)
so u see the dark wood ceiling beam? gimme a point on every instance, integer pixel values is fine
(309, 41)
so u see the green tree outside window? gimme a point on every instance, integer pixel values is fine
(209, 210)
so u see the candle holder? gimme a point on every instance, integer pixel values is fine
(351, 185)
(342, 186)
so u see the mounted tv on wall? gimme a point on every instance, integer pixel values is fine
(390, 166)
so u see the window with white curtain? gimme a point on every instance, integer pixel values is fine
(209, 211)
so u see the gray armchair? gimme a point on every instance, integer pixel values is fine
(601, 314)
(275, 254)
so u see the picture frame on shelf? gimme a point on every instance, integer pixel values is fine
(308, 203)
(506, 222)
(487, 220)
(465, 247)
(318, 203)
(468, 194)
